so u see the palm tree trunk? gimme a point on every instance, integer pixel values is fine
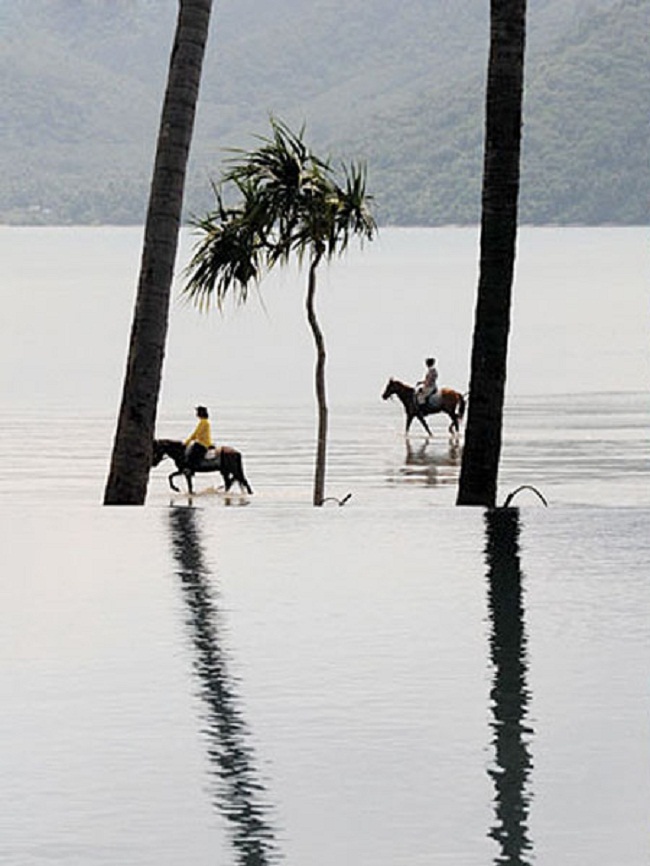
(131, 457)
(481, 454)
(321, 398)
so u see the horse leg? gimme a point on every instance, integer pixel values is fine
(188, 477)
(423, 421)
(171, 480)
(409, 420)
(454, 427)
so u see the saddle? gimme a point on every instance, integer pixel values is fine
(212, 459)
(432, 402)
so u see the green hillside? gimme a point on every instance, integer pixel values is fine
(587, 151)
(585, 154)
(400, 85)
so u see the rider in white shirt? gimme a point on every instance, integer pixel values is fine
(429, 385)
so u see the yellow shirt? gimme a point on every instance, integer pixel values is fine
(201, 434)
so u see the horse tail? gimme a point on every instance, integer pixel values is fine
(461, 406)
(239, 472)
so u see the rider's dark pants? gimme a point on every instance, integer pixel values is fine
(195, 454)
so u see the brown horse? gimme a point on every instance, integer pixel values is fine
(228, 462)
(450, 402)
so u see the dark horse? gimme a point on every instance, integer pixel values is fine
(450, 402)
(228, 461)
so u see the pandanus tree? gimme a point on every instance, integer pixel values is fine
(503, 120)
(132, 448)
(278, 201)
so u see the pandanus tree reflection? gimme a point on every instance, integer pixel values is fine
(287, 202)
(241, 792)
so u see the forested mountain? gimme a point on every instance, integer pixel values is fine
(397, 84)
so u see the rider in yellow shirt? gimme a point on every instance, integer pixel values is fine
(198, 442)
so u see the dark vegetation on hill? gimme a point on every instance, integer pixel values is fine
(398, 85)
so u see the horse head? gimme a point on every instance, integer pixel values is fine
(389, 390)
(159, 453)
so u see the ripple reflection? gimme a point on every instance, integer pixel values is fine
(240, 793)
(509, 694)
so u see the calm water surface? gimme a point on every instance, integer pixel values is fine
(249, 680)
(351, 685)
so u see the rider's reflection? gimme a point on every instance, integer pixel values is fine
(240, 792)
(510, 695)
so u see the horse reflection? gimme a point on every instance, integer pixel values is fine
(240, 789)
(509, 694)
(426, 464)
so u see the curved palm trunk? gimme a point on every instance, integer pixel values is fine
(131, 458)
(480, 465)
(321, 398)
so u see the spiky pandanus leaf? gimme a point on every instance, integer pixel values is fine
(231, 252)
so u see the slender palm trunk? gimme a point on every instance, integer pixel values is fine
(321, 397)
(131, 458)
(481, 454)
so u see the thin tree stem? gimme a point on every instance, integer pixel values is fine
(319, 379)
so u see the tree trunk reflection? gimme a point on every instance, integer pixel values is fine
(240, 793)
(509, 694)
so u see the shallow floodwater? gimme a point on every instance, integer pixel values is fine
(581, 449)
(250, 680)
